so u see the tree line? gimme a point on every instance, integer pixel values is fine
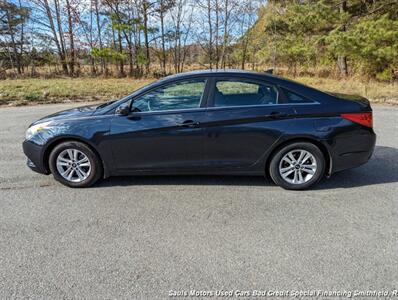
(158, 37)
(350, 38)
(120, 37)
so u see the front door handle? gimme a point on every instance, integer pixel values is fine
(189, 124)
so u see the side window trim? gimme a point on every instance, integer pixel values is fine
(202, 103)
(213, 81)
(282, 94)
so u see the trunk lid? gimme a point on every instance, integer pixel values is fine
(354, 98)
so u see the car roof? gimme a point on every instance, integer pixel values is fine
(273, 79)
(219, 72)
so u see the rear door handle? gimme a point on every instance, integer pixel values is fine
(189, 124)
(277, 115)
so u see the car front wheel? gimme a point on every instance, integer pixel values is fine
(297, 166)
(74, 164)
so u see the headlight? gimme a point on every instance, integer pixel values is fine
(35, 129)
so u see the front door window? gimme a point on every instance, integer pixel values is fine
(175, 96)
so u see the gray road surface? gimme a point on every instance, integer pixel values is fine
(144, 237)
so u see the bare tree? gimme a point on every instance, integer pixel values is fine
(53, 23)
(206, 33)
(71, 38)
(163, 7)
(57, 9)
(244, 20)
(147, 9)
(227, 13)
(133, 33)
(99, 33)
(216, 9)
(12, 19)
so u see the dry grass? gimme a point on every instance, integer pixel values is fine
(376, 92)
(28, 91)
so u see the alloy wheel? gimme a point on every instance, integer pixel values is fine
(297, 166)
(73, 165)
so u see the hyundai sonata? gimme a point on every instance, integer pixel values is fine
(207, 122)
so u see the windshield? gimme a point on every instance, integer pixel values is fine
(106, 104)
(115, 103)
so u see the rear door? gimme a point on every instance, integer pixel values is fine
(243, 121)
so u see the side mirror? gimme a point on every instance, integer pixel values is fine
(123, 109)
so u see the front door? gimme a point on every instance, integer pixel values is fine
(164, 129)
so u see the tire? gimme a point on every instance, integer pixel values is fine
(287, 161)
(84, 165)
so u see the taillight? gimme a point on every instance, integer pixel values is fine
(365, 118)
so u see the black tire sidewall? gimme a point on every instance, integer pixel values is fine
(96, 167)
(274, 165)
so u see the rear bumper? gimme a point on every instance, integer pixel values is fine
(352, 151)
(34, 153)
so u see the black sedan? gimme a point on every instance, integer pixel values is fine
(207, 122)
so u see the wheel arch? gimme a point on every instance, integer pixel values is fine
(55, 142)
(320, 145)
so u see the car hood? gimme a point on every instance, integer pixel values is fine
(78, 112)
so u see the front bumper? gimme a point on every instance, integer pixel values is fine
(35, 156)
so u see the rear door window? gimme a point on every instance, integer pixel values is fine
(243, 92)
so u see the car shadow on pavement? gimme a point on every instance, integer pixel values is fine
(222, 180)
(382, 168)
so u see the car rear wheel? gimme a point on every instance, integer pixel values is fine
(74, 164)
(297, 166)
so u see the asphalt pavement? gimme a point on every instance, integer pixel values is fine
(148, 237)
